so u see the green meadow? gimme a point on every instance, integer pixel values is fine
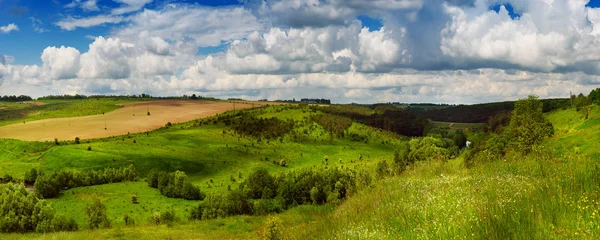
(551, 193)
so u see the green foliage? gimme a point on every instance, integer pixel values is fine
(95, 212)
(7, 178)
(528, 125)
(268, 128)
(428, 148)
(174, 185)
(49, 185)
(459, 138)
(22, 211)
(595, 96)
(30, 176)
(383, 169)
(260, 184)
(273, 229)
(580, 101)
(129, 221)
(165, 217)
(222, 205)
(335, 125)
(497, 122)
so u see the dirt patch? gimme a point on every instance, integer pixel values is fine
(35, 103)
(131, 118)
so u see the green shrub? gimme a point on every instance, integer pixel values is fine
(383, 169)
(95, 212)
(30, 176)
(128, 220)
(174, 185)
(76, 140)
(273, 229)
(165, 217)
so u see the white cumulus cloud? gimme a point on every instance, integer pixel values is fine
(9, 28)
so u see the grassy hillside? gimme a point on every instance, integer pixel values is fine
(212, 155)
(553, 193)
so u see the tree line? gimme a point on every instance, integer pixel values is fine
(14, 98)
(263, 193)
(49, 185)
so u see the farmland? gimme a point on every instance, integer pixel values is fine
(126, 118)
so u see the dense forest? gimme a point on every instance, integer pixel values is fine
(383, 117)
(479, 113)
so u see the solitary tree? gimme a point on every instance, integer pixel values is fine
(528, 125)
(96, 214)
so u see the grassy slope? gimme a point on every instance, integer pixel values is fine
(11, 113)
(536, 197)
(203, 152)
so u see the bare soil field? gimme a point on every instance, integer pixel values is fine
(131, 118)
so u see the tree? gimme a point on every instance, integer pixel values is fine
(460, 140)
(46, 186)
(96, 214)
(257, 181)
(76, 140)
(580, 102)
(595, 96)
(528, 125)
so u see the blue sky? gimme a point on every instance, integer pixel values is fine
(26, 45)
(363, 51)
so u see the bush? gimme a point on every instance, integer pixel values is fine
(7, 178)
(89, 148)
(30, 176)
(96, 214)
(76, 140)
(165, 217)
(128, 220)
(267, 206)
(56, 141)
(256, 183)
(383, 169)
(273, 229)
(46, 186)
(174, 185)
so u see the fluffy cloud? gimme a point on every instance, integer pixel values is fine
(107, 58)
(549, 35)
(455, 51)
(308, 50)
(60, 63)
(9, 28)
